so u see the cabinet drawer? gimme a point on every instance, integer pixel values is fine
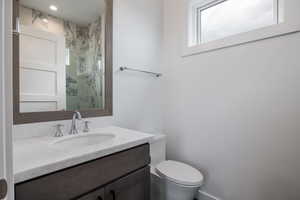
(72, 182)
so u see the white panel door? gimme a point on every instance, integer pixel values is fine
(6, 174)
(2, 98)
(42, 71)
(2, 129)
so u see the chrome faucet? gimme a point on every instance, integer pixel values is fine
(74, 128)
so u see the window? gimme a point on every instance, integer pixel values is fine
(218, 19)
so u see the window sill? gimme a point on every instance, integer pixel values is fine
(252, 36)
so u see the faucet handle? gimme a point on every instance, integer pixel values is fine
(86, 126)
(59, 132)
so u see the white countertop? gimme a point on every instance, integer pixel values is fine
(34, 157)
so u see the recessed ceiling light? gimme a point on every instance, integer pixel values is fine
(53, 7)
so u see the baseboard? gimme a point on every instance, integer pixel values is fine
(205, 196)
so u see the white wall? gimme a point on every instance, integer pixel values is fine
(234, 113)
(139, 33)
(54, 25)
(137, 42)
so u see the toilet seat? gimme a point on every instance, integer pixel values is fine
(179, 173)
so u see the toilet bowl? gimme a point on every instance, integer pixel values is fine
(171, 180)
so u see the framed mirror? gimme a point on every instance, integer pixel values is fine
(62, 59)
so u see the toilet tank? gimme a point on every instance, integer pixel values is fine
(158, 149)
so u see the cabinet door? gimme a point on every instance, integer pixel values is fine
(135, 186)
(96, 195)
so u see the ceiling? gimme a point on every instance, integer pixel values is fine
(81, 12)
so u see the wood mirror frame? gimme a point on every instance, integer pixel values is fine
(32, 117)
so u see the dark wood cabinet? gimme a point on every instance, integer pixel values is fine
(120, 176)
(132, 187)
(96, 195)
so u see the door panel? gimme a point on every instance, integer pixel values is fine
(38, 50)
(42, 71)
(135, 186)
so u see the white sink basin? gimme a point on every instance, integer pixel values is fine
(82, 140)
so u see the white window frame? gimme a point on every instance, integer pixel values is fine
(288, 21)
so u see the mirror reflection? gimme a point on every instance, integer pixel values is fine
(62, 55)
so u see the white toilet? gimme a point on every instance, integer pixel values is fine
(171, 180)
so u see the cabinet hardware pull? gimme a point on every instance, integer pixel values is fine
(113, 193)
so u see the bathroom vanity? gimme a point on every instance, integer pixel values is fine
(116, 169)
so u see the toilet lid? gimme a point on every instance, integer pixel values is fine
(179, 173)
